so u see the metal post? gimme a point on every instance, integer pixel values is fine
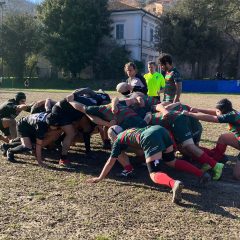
(1, 5)
(141, 44)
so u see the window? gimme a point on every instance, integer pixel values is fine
(145, 32)
(120, 31)
(151, 35)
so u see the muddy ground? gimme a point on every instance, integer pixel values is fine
(57, 203)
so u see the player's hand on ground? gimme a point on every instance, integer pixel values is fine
(93, 180)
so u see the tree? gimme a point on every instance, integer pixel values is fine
(188, 40)
(199, 32)
(110, 60)
(31, 65)
(20, 38)
(73, 31)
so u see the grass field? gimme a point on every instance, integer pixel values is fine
(57, 203)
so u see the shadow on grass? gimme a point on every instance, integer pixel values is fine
(207, 141)
(211, 199)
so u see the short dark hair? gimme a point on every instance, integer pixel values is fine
(165, 59)
(151, 63)
(20, 96)
(224, 105)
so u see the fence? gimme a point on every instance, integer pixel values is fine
(212, 86)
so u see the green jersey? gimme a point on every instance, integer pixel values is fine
(172, 77)
(165, 121)
(125, 117)
(103, 111)
(176, 123)
(150, 101)
(152, 140)
(233, 120)
(181, 107)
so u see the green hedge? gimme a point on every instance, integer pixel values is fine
(61, 84)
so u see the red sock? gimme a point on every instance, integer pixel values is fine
(188, 167)
(128, 167)
(209, 152)
(204, 158)
(163, 179)
(219, 150)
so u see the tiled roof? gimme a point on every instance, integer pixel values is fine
(119, 6)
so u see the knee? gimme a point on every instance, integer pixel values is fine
(152, 176)
(193, 149)
(69, 133)
(171, 164)
(221, 138)
(12, 122)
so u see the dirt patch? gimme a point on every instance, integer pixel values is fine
(57, 203)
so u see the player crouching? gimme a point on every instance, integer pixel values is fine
(158, 149)
(31, 130)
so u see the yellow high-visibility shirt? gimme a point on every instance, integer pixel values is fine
(154, 82)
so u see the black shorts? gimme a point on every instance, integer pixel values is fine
(5, 131)
(24, 130)
(196, 129)
(66, 116)
(180, 129)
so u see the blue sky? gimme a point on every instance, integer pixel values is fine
(35, 1)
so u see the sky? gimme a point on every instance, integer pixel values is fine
(35, 1)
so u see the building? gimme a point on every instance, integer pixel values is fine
(154, 8)
(166, 4)
(135, 29)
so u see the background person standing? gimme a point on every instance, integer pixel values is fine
(155, 81)
(173, 88)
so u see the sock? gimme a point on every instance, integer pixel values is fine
(218, 151)
(204, 158)
(128, 168)
(12, 144)
(188, 167)
(18, 139)
(19, 149)
(163, 179)
(107, 141)
(86, 139)
(63, 157)
(209, 152)
(173, 140)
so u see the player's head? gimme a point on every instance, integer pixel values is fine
(123, 88)
(223, 106)
(151, 67)
(130, 69)
(113, 131)
(165, 62)
(20, 98)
